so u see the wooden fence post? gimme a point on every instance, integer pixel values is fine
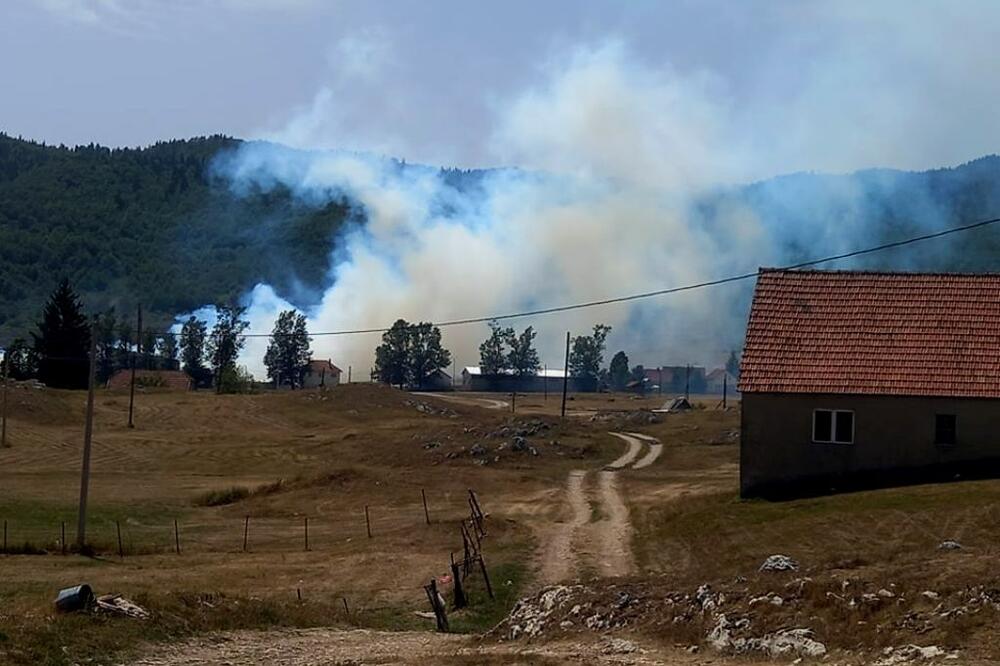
(440, 613)
(460, 599)
(121, 551)
(246, 532)
(368, 522)
(486, 575)
(427, 515)
(62, 538)
(4, 537)
(177, 538)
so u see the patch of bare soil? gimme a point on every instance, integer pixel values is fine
(328, 647)
(559, 556)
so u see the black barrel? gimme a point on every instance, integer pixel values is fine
(75, 598)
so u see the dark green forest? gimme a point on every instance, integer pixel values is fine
(146, 225)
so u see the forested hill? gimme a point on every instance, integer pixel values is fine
(146, 225)
(154, 226)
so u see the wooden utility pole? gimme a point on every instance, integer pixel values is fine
(545, 382)
(348, 374)
(3, 415)
(687, 382)
(725, 386)
(565, 377)
(88, 431)
(138, 350)
(659, 374)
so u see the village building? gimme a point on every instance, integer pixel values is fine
(676, 379)
(173, 380)
(321, 373)
(854, 379)
(547, 379)
(720, 381)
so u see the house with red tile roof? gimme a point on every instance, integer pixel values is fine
(321, 373)
(858, 379)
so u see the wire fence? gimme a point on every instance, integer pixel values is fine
(130, 536)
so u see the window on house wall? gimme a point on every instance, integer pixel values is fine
(833, 426)
(945, 429)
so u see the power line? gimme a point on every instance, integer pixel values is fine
(671, 290)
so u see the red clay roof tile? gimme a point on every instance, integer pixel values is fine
(873, 333)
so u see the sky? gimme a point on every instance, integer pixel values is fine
(427, 81)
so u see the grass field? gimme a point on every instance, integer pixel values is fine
(261, 466)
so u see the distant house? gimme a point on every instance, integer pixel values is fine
(855, 379)
(718, 380)
(174, 380)
(506, 381)
(321, 373)
(439, 380)
(676, 379)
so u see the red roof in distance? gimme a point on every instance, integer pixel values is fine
(873, 333)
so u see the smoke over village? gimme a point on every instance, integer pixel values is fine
(563, 332)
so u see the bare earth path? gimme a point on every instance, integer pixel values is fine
(334, 647)
(615, 530)
(559, 558)
(488, 403)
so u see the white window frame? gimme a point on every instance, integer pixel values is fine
(833, 426)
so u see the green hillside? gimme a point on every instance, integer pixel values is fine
(146, 225)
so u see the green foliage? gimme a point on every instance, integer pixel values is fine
(222, 497)
(226, 343)
(733, 364)
(523, 358)
(492, 359)
(62, 342)
(504, 350)
(235, 379)
(587, 356)
(192, 345)
(149, 225)
(410, 353)
(638, 374)
(22, 360)
(288, 355)
(618, 372)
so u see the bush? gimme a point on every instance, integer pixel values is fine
(222, 497)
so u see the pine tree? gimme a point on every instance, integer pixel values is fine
(288, 355)
(62, 342)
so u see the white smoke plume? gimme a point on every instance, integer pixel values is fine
(612, 156)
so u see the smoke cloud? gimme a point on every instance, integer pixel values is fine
(615, 163)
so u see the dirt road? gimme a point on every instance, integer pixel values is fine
(488, 403)
(598, 533)
(330, 647)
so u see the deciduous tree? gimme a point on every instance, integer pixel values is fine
(288, 354)
(587, 356)
(227, 340)
(618, 371)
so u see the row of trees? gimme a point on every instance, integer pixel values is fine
(410, 354)
(58, 354)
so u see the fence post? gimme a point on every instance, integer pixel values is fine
(368, 522)
(306, 526)
(177, 538)
(486, 575)
(427, 515)
(460, 599)
(4, 537)
(246, 532)
(439, 612)
(121, 550)
(62, 539)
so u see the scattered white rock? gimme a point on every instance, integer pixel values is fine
(892, 656)
(785, 642)
(530, 616)
(886, 594)
(613, 645)
(779, 563)
(930, 595)
(950, 545)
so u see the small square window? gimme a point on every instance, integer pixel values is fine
(833, 426)
(945, 429)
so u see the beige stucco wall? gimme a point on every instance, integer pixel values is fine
(891, 435)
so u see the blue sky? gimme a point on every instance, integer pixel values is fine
(433, 81)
